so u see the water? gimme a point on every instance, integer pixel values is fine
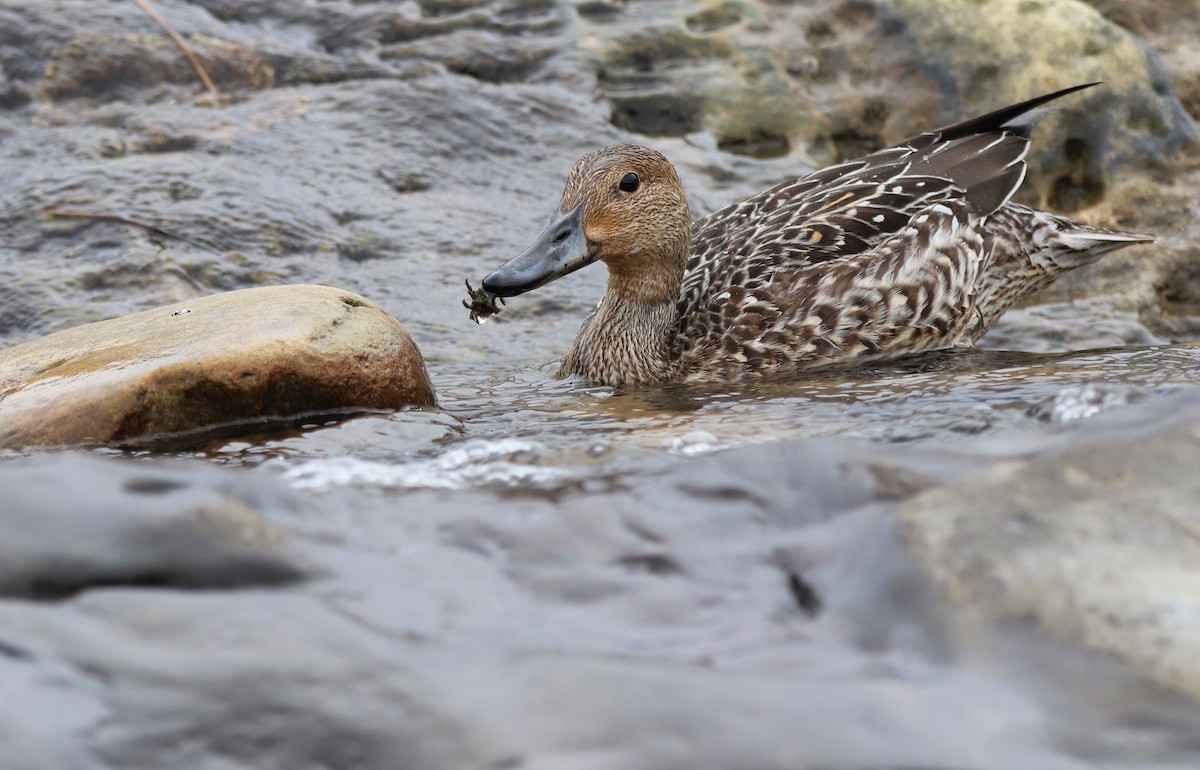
(527, 428)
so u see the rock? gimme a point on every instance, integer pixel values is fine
(1098, 543)
(748, 609)
(1087, 324)
(700, 71)
(92, 65)
(998, 53)
(12, 95)
(1169, 27)
(838, 79)
(227, 360)
(204, 679)
(134, 524)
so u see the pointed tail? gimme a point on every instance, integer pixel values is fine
(1100, 241)
(1032, 248)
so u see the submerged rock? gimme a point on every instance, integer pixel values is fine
(1098, 543)
(222, 361)
(134, 524)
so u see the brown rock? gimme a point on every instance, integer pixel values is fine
(236, 358)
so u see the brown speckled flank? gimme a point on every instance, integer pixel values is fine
(911, 248)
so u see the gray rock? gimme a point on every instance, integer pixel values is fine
(94, 65)
(74, 522)
(1097, 542)
(234, 361)
(249, 679)
(692, 616)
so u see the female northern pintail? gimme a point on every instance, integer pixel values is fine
(911, 248)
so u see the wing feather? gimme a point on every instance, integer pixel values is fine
(848, 209)
(839, 235)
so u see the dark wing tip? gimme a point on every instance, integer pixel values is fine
(1005, 117)
(985, 155)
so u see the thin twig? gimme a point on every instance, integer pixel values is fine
(101, 217)
(183, 44)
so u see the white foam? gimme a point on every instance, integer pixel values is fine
(503, 462)
(1078, 402)
(697, 442)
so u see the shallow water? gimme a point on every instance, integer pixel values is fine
(529, 429)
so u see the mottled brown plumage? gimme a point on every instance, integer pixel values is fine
(912, 248)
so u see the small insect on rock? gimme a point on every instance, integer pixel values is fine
(482, 304)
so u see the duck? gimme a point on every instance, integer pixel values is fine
(912, 248)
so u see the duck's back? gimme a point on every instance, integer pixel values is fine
(875, 257)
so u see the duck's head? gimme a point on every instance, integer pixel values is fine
(623, 205)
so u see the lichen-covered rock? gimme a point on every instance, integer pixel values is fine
(837, 79)
(703, 71)
(239, 358)
(999, 52)
(1098, 543)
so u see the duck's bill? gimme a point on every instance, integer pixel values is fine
(561, 249)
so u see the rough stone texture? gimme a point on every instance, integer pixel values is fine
(240, 358)
(95, 66)
(1170, 27)
(913, 65)
(1097, 543)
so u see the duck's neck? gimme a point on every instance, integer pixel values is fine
(627, 337)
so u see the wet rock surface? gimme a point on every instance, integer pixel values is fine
(219, 362)
(752, 608)
(541, 574)
(137, 525)
(1096, 543)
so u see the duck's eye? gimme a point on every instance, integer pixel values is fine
(629, 182)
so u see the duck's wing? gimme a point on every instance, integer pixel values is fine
(868, 258)
(913, 292)
(844, 210)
